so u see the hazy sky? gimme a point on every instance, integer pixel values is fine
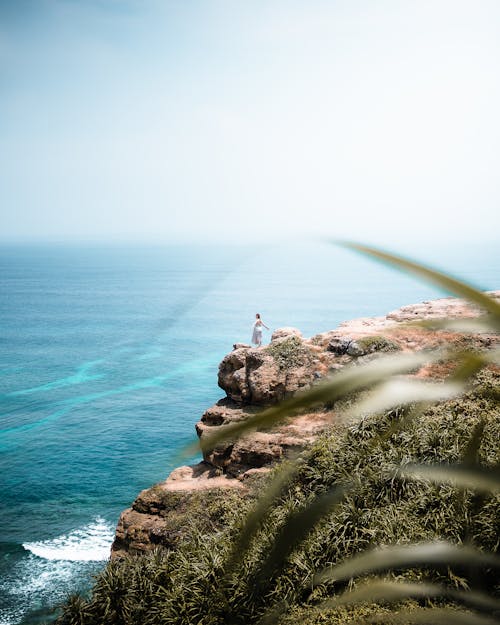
(237, 119)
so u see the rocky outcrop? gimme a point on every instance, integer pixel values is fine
(265, 376)
(253, 378)
(262, 449)
(188, 501)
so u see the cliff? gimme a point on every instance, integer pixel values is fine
(189, 500)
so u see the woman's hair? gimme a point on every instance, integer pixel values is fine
(257, 315)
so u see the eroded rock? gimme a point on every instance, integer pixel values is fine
(232, 375)
(264, 376)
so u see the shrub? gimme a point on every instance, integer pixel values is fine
(376, 343)
(289, 352)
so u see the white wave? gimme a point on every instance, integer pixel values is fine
(87, 544)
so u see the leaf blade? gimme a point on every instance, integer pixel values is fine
(446, 282)
(483, 479)
(407, 556)
(342, 383)
(389, 591)
(400, 392)
(431, 616)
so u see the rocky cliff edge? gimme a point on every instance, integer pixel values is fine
(252, 378)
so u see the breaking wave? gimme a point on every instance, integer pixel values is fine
(90, 543)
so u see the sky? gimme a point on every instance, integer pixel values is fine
(230, 120)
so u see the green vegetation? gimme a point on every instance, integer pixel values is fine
(289, 353)
(188, 514)
(189, 585)
(377, 343)
(393, 518)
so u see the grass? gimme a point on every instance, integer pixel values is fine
(189, 585)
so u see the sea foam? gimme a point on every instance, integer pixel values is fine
(90, 543)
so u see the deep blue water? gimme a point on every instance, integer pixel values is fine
(108, 357)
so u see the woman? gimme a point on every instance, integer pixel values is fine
(257, 330)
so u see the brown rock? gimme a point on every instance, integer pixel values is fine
(197, 477)
(282, 333)
(265, 380)
(259, 377)
(227, 411)
(138, 533)
(339, 344)
(232, 375)
(254, 473)
(259, 449)
(435, 309)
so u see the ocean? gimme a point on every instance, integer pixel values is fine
(109, 356)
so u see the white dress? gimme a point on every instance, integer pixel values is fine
(257, 333)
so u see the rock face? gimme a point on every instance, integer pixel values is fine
(264, 376)
(254, 378)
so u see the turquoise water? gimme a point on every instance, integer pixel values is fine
(108, 358)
